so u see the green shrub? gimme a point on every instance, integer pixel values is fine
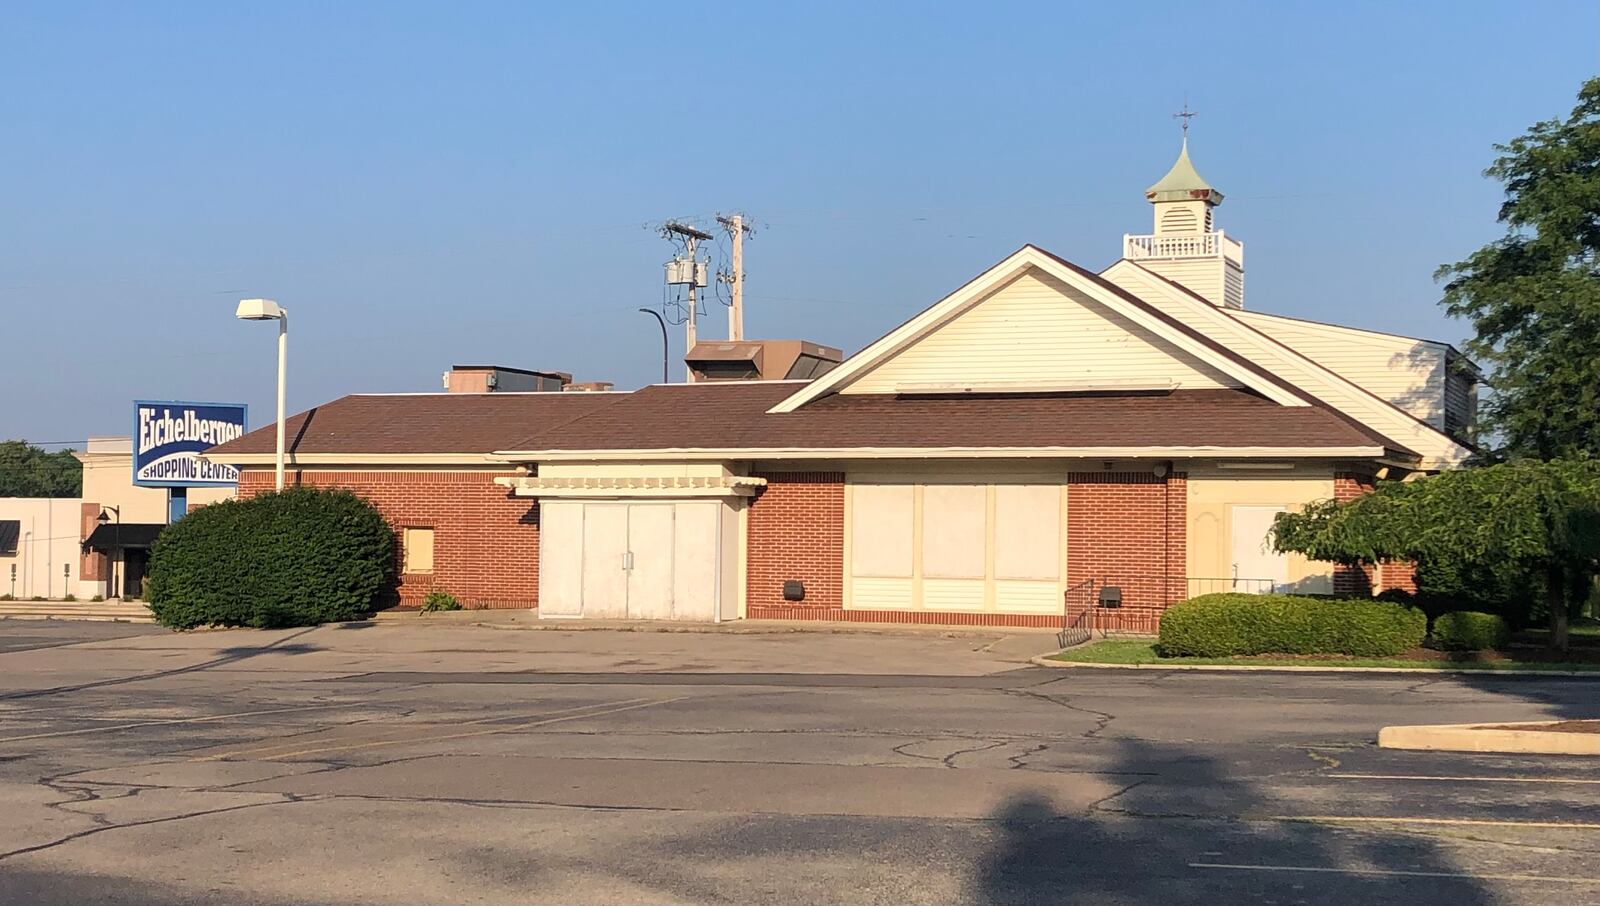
(8, 597)
(38, 598)
(440, 600)
(293, 558)
(1469, 630)
(98, 598)
(1227, 624)
(69, 598)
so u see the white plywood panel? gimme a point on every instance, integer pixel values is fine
(1256, 566)
(1027, 531)
(880, 594)
(881, 530)
(696, 561)
(954, 519)
(953, 594)
(1016, 596)
(560, 559)
(605, 542)
(650, 545)
(1037, 329)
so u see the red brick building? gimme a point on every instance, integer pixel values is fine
(1043, 441)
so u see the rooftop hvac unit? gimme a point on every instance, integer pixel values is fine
(682, 271)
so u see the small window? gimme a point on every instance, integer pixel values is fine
(418, 550)
(10, 529)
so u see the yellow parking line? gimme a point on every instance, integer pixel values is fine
(166, 721)
(633, 705)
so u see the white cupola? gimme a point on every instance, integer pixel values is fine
(1184, 247)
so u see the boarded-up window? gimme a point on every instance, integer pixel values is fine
(953, 521)
(418, 550)
(880, 530)
(1027, 531)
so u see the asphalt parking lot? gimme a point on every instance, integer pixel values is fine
(447, 764)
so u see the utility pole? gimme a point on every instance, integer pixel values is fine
(687, 270)
(736, 228)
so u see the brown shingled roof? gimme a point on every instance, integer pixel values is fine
(469, 423)
(734, 416)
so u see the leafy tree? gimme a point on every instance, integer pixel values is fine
(1533, 296)
(1540, 518)
(28, 471)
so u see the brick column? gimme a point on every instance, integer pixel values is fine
(1354, 581)
(796, 531)
(1129, 529)
(91, 564)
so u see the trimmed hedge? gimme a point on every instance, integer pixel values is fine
(1222, 625)
(1469, 630)
(293, 558)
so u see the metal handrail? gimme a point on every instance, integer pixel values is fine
(1082, 615)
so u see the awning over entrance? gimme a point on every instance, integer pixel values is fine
(676, 487)
(127, 535)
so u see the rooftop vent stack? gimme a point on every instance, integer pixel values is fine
(501, 379)
(761, 360)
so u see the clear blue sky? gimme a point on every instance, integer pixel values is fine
(422, 184)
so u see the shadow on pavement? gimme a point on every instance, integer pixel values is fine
(1182, 840)
(1568, 698)
(224, 657)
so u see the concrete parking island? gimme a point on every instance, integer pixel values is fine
(1519, 739)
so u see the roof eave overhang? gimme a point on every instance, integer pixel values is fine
(353, 459)
(765, 453)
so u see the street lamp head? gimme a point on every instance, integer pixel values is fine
(102, 518)
(259, 310)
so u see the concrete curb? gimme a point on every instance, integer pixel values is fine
(1044, 660)
(1476, 738)
(528, 621)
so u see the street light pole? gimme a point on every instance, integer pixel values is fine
(268, 310)
(283, 367)
(116, 545)
(665, 378)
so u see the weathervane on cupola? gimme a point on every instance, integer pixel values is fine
(1183, 201)
(1185, 246)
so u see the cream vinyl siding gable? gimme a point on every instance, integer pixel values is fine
(1408, 373)
(1037, 330)
(1437, 449)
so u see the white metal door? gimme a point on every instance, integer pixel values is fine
(560, 559)
(650, 542)
(697, 561)
(1257, 567)
(605, 554)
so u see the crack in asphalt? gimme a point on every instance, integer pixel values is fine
(285, 799)
(1098, 805)
(1103, 718)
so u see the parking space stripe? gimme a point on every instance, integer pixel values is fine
(1485, 822)
(549, 717)
(1382, 872)
(166, 721)
(1430, 777)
